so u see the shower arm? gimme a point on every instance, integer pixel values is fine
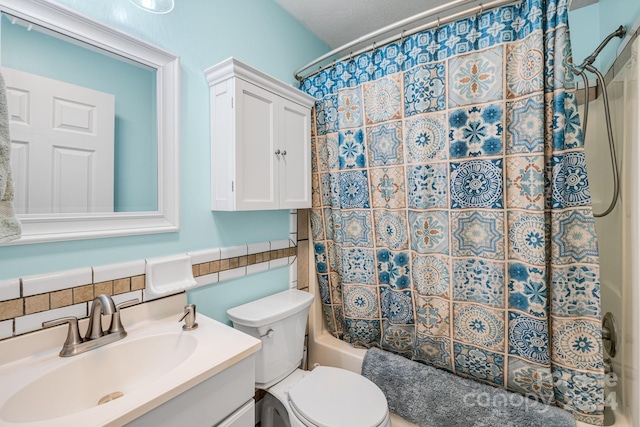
(589, 60)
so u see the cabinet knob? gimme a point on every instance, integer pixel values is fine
(277, 152)
(284, 152)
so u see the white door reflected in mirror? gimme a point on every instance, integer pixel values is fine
(62, 145)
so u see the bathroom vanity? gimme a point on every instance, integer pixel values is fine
(159, 375)
(210, 403)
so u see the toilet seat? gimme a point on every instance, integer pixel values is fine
(334, 397)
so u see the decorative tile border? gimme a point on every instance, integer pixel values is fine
(24, 311)
(241, 261)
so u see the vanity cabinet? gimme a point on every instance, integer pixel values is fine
(224, 400)
(260, 140)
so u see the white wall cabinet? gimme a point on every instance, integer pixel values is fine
(260, 140)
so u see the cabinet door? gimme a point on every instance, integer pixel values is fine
(295, 165)
(256, 136)
(243, 417)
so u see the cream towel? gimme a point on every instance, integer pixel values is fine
(10, 228)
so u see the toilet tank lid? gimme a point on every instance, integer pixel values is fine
(273, 308)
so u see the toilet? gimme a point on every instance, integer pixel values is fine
(324, 397)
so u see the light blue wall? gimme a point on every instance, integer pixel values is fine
(614, 13)
(202, 32)
(214, 301)
(592, 24)
(584, 38)
(135, 156)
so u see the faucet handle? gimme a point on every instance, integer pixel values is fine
(60, 321)
(128, 303)
(73, 333)
(190, 316)
(116, 324)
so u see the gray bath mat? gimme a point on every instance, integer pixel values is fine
(432, 397)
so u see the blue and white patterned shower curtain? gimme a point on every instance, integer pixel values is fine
(451, 211)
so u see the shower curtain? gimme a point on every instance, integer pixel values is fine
(451, 210)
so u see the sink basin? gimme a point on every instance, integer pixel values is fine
(113, 370)
(113, 385)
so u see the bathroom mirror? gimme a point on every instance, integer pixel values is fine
(109, 166)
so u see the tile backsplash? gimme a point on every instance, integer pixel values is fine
(27, 302)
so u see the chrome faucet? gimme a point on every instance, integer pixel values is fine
(102, 304)
(95, 336)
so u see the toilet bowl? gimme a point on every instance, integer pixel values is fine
(324, 397)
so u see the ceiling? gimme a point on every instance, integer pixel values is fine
(337, 22)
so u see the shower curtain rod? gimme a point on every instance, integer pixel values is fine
(479, 8)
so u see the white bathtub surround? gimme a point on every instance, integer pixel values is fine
(630, 291)
(618, 232)
(50, 282)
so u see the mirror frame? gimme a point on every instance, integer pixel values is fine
(38, 228)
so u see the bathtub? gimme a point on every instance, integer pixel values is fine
(326, 350)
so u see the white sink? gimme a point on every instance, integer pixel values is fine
(154, 363)
(80, 383)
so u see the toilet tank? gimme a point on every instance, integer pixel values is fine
(279, 321)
